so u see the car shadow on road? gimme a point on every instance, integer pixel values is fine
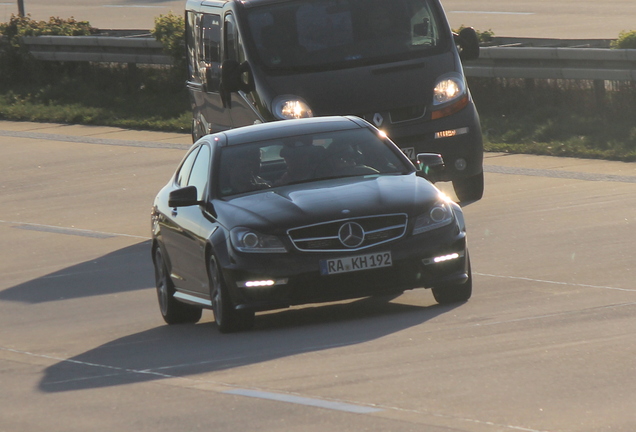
(131, 265)
(195, 352)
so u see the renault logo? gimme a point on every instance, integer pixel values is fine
(351, 234)
(378, 119)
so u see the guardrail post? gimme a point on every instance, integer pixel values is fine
(599, 92)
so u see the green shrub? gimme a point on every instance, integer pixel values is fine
(55, 26)
(16, 63)
(170, 31)
(626, 40)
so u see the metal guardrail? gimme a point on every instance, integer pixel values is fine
(554, 63)
(514, 60)
(97, 49)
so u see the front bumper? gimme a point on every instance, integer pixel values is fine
(296, 277)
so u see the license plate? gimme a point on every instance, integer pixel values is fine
(355, 263)
(409, 152)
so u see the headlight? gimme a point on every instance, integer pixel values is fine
(441, 214)
(450, 95)
(448, 88)
(291, 107)
(247, 240)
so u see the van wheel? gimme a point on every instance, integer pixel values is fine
(469, 188)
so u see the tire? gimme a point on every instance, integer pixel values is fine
(228, 319)
(172, 310)
(469, 188)
(455, 293)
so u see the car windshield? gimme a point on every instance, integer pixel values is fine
(319, 34)
(306, 158)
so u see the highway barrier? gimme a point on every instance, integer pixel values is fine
(509, 61)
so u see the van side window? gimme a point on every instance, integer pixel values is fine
(210, 50)
(190, 33)
(231, 39)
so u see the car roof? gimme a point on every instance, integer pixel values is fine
(288, 128)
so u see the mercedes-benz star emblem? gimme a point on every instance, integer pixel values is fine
(351, 234)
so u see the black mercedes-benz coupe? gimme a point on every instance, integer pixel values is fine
(302, 211)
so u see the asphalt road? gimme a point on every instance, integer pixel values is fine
(547, 343)
(564, 19)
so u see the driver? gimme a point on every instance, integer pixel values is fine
(244, 166)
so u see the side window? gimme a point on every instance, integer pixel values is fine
(186, 167)
(200, 171)
(191, 26)
(231, 40)
(210, 46)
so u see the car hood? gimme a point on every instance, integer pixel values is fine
(281, 208)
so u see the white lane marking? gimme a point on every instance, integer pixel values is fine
(493, 13)
(299, 400)
(71, 231)
(333, 404)
(555, 282)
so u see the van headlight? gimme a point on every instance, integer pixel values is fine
(248, 240)
(449, 95)
(439, 215)
(291, 107)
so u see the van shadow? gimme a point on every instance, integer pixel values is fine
(187, 350)
(124, 270)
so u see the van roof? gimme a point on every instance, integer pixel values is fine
(246, 3)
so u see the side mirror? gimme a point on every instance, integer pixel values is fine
(183, 197)
(235, 76)
(468, 43)
(430, 166)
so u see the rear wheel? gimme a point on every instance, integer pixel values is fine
(455, 293)
(469, 188)
(173, 311)
(228, 319)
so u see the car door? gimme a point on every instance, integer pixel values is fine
(208, 111)
(195, 227)
(242, 111)
(171, 218)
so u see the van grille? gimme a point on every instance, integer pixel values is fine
(397, 115)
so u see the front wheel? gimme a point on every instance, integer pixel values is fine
(455, 293)
(469, 188)
(172, 311)
(228, 319)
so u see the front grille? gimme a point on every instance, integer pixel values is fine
(396, 115)
(408, 113)
(324, 237)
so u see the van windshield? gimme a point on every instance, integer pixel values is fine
(327, 34)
